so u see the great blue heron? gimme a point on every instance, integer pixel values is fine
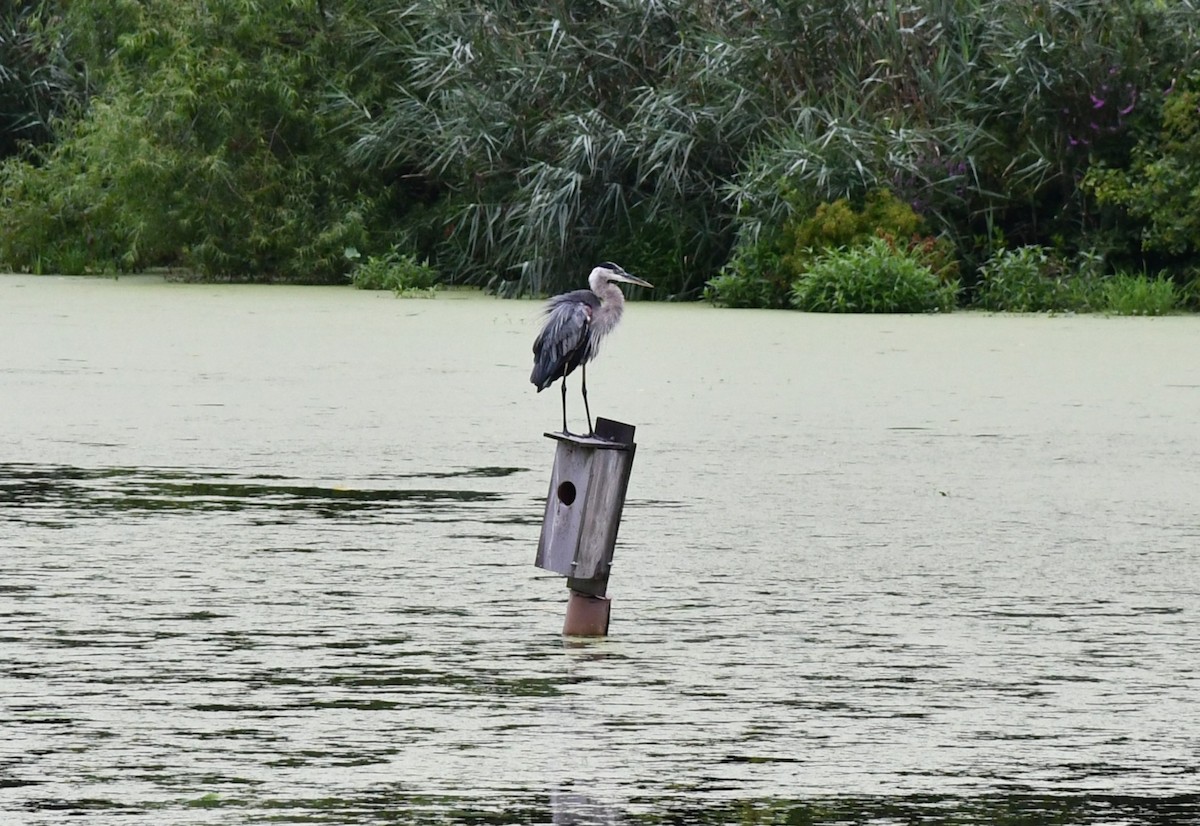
(575, 323)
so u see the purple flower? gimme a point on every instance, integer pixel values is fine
(1097, 103)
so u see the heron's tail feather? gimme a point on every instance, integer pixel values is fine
(544, 370)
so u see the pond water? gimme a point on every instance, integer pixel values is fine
(266, 556)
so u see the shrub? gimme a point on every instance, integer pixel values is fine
(400, 272)
(208, 147)
(762, 273)
(1127, 294)
(1161, 185)
(837, 224)
(1030, 279)
(63, 205)
(882, 215)
(755, 277)
(875, 277)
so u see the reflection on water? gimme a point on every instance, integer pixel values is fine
(31, 490)
(266, 556)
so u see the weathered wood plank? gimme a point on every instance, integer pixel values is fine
(609, 480)
(569, 485)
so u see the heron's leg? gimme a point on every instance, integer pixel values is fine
(564, 400)
(591, 430)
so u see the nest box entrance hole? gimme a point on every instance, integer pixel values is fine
(566, 493)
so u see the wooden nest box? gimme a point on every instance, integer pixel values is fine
(583, 508)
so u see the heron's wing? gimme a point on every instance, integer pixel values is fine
(563, 342)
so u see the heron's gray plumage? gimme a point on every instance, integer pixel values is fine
(575, 323)
(564, 342)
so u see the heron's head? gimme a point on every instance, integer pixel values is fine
(610, 272)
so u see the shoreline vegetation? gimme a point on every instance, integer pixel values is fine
(850, 156)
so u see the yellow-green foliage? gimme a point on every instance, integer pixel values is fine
(883, 215)
(831, 225)
(763, 273)
(838, 224)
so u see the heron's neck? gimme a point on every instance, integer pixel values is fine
(608, 293)
(612, 302)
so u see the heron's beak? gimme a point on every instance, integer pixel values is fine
(633, 279)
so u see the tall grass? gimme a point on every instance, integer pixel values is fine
(1127, 294)
(515, 144)
(38, 80)
(559, 132)
(982, 114)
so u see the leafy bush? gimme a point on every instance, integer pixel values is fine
(207, 148)
(396, 271)
(755, 277)
(61, 208)
(875, 277)
(1020, 280)
(1031, 279)
(883, 215)
(762, 273)
(1126, 294)
(1161, 186)
(837, 224)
